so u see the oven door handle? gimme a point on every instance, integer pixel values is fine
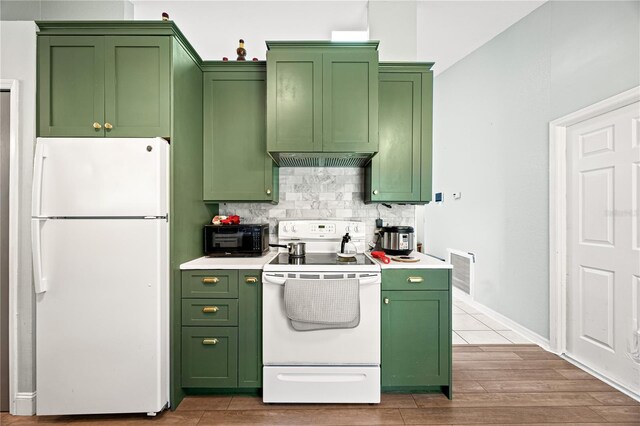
(270, 279)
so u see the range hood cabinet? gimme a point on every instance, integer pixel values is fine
(322, 103)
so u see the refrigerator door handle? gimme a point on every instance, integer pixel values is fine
(36, 193)
(39, 283)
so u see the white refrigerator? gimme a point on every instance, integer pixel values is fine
(100, 246)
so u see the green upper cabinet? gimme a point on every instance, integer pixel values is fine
(236, 164)
(322, 97)
(94, 84)
(401, 171)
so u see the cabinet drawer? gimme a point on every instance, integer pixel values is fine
(209, 357)
(210, 312)
(221, 284)
(415, 279)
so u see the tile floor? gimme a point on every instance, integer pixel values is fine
(472, 327)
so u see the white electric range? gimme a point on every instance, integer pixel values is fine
(340, 365)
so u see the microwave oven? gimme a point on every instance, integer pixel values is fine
(236, 240)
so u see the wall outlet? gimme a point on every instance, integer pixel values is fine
(457, 195)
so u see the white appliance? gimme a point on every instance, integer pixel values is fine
(100, 255)
(340, 365)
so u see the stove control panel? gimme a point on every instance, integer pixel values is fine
(324, 229)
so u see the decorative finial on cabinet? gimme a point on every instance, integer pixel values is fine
(242, 53)
(165, 16)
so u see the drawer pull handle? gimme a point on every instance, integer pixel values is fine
(210, 309)
(210, 280)
(210, 341)
(386, 300)
(251, 280)
(415, 279)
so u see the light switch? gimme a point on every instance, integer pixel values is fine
(457, 195)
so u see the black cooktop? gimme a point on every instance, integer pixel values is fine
(321, 259)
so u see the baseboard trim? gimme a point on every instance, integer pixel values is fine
(625, 390)
(518, 328)
(24, 404)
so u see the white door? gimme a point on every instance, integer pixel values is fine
(100, 177)
(101, 315)
(603, 239)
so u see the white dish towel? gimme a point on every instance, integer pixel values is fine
(322, 304)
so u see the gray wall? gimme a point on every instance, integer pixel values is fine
(18, 61)
(5, 102)
(33, 10)
(491, 115)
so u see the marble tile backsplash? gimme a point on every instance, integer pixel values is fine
(321, 193)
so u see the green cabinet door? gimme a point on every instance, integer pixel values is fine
(137, 86)
(250, 329)
(236, 164)
(395, 171)
(401, 171)
(294, 101)
(209, 357)
(350, 101)
(71, 86)
(104, 86)
(416, 336)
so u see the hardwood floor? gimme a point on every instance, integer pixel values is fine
(510, 384)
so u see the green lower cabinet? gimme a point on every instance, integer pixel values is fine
(401, 171)
(236, 164)
(221, 337)
(209, 357)
(416, 337)
(250, 329)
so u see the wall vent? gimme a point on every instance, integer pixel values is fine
(463, 264)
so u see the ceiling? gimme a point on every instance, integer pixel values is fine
(447, 31)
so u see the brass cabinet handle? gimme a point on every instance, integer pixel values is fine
(415, 279)
(209, 341)
(251, 280)
(108, 126)
(268, 192)
(97, 125)
(375, 192)
(386, 300)
(210, 280)
(210, 309)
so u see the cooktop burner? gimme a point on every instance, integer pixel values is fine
(321, 259)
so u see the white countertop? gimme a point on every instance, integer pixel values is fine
(229, 262)
(425, 262)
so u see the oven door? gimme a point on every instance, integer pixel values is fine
(283, 345)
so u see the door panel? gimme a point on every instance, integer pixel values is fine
(596, 313)
(101, 177)
(603, 262)
(209, 357)
(596, 194)
(294, 112)
(71, 86)
(99, 333)
(137, 86)
(350, 102)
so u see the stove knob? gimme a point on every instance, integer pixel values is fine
(356, 229)
(293, 228)
(347, 228)
(285, 228)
